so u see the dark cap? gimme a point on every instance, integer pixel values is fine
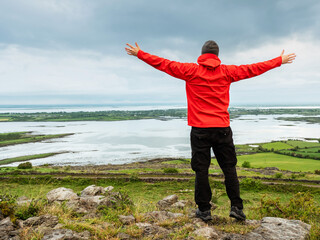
(210, 47)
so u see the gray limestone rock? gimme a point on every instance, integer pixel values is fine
(66, 234)
(61, 194)
(109, 188)
(179, 204)
(206, 232)
(273, 228)
(6, 225)
(158, 216)
(167, 202)
(149, 229)
(124, 236)
(46, 220)
(8, 230)
(92, 190)
(127, 220)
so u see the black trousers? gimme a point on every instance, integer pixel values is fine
(221, 142)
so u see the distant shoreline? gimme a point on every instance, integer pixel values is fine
(309, 115)
(131, 107)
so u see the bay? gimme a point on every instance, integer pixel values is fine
(139, 140)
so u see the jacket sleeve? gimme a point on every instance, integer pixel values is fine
(237, 73)
(179, 70)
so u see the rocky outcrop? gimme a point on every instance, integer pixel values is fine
(90, 199)
(153, 225)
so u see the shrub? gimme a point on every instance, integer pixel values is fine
(301, 206)
(7, 205)
(121, 205)
(170, 170)
(317, 172)
(26, 165)
(134, 177)
(28, 210)
(251, 184)
(278, 175)
(293, 176)
(246, 164)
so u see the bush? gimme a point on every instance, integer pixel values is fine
(7, 205)
(26, 165)
(28, 210)
(293, 176)
(301, 206)
(134, 177)
(278, 175)
(170, 170)
(121, 205)
(246, 164)
(317, 172)
(251, 184)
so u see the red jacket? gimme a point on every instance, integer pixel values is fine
(208, 84)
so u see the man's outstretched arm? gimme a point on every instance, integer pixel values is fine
(176, 69)
(251, 70)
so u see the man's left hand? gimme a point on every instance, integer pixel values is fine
(133, 50)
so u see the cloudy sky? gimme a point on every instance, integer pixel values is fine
(72, 51)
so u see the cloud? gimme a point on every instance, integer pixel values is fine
(297, 82)
(75, 48)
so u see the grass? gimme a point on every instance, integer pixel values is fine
(303, 144)
(276, 146)
(27, 158)
(283, 162)
(7, 139)
(246, 148)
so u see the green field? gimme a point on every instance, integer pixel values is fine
(283, 162)
(276, 146)
(7, 139)
(27, 158)
(302, 144)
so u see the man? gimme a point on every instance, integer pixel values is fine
(207, 87)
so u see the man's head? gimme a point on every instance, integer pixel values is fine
(210, 47)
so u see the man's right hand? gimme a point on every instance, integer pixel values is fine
(133, 50)
(287, 58)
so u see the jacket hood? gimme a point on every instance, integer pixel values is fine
(209, 60)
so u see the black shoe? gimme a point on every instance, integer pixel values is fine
(237, 213)
(205, 215)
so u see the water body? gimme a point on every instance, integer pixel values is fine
(138, 140)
